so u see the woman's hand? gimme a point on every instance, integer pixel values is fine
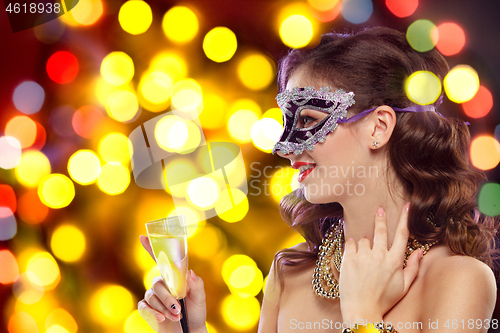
(162, 311)
(372, 280)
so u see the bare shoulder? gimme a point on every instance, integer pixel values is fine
(451, 280)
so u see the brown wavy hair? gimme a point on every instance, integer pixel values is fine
(427, 152)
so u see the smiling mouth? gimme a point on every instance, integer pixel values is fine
(305, 170)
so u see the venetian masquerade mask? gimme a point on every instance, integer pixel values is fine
(297, 139)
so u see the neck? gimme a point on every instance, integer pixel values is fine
(360, 211)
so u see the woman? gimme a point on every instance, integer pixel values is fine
(374, 169)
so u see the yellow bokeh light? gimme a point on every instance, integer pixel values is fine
(244, 104)
(135, 323)
(111, 304)
(174, 134)
(423, 87)
(276, 114)
(207, 242)
(232, 205)
(156, 87)
(34, 165)
(233, 262)
(26, 291)
(44, 267)
(210, 328)
(296, 31)
(135, 17)
(62, 318)
(171, 64)
(113, 179)
(117, 68)
(194, 219)
(84, 166)
(114, 148)
(122, 105)
(87, 12)
(293, 240)
(179, 168)
(240, 313)
(187, 96)
(68, 243)
(256, 71)
(461, 83)
(246, 281)
(56, 191)
(57, 329)
(180, 24)
(23, 129)
(214, 110)
(284, 181)
(265, 133)
(150, 275)
(203, 192)
(240, 125)
(485, 152)
(220, 44)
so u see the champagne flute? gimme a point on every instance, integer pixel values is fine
(168, 239)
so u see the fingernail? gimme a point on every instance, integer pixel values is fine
(407, 207)
(420, 254)
(193, 276)
(160, 317)
(380, 211)
(175, 309)
(350, 239)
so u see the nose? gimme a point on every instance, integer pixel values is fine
(283, 155)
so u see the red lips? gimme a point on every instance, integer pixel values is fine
(305, 173)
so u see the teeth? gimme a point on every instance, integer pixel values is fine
(306, 167)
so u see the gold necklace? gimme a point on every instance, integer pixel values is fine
(324, 283)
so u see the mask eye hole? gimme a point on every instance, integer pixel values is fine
(309, 118)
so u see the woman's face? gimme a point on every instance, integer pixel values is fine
(335, 169)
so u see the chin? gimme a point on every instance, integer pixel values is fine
(317, 198)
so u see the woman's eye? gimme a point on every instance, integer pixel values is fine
(307, 120)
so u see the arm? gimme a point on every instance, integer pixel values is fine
(270, 304)
(460, 295)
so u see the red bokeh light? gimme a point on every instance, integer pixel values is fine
(86, 121)
(480, 104)
(450, 38)
(328, 15)
(31, 210)
(62, 67)
(7, 198)
(402, 8)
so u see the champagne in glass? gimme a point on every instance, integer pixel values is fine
(168, 239)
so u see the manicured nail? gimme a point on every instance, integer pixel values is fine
(160, 317)
(380, 211)
(407, 207)
(175, 309)
(193, 276)
(420, 254)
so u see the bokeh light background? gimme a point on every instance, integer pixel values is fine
(74, 88)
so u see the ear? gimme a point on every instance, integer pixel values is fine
(381, 125)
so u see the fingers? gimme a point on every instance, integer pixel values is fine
(196, 288)
(160, 299)
(402, 233)
(147, 246)
(380, 235)
(411, 270)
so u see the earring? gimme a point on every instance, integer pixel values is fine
(375, 144)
